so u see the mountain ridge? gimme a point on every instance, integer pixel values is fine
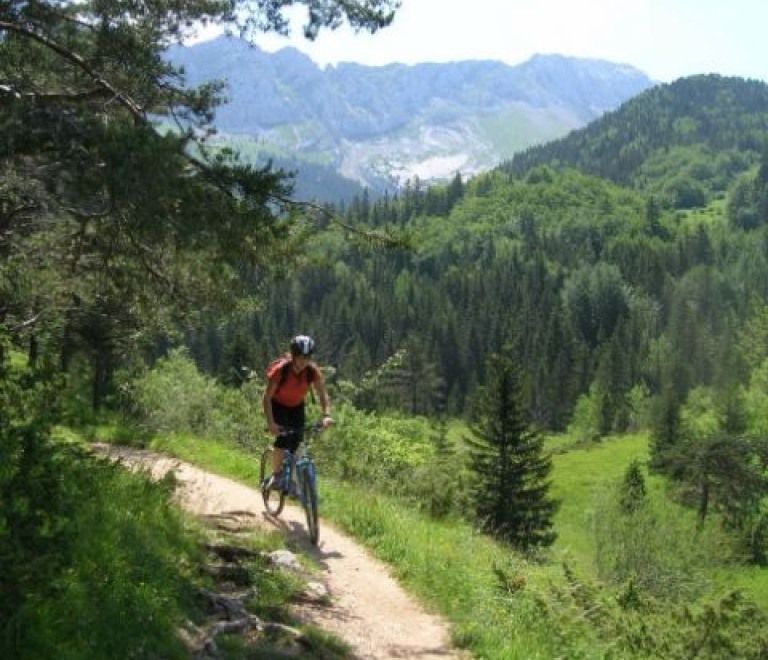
(382, 125)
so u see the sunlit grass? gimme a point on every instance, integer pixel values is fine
(451, 568)
(236, 463)
(447, 565)
(752, 580)
(580, 475)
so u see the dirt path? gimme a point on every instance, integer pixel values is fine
(369, 610)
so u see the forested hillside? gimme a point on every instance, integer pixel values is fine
(682, 141)
(616, 299)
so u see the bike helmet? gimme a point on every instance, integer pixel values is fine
(302, 345)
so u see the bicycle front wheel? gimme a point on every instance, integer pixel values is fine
(309, 502)
(274, 498)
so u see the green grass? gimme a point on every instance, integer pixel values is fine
(452, 569)
(446, 564)
(583, 475)
(122, 555)
(223, 459)
(751, 580)
(580, 476)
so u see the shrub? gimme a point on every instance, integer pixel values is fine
(174, 397)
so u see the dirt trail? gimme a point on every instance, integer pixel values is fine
(369, 610)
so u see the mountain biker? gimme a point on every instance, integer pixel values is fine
(288, 381)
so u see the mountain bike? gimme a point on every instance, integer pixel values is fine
(298, 478)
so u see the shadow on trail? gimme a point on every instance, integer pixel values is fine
(295, 532)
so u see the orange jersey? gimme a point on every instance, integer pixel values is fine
(294, 386)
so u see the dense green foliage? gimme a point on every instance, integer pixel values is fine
(113, 230)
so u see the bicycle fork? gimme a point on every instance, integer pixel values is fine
(305, 471)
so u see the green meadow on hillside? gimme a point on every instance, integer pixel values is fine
(582, 476)
(586, 477)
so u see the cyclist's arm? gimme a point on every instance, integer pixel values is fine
(266, 402)
(322, 395)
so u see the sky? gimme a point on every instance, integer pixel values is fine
(666, 39)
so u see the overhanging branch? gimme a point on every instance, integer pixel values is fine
(376, 237)
(124, 100)
(8, 95)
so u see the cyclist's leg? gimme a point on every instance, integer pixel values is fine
(273, 498)
(267, 479)
(277, 459)
(291, 418)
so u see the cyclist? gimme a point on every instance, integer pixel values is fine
(288, 380)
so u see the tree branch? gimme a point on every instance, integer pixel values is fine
(87, 215)
(124, 100)
(9, 94)
(381, 237)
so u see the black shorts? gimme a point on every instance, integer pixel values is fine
(289, 417)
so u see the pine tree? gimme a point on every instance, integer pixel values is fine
(634, 493)
(511, 494)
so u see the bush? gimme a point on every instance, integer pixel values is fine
(370, 448)
(174, 397)
(639, 626)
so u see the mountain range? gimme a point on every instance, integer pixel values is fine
(377, 127)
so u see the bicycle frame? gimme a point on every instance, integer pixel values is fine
(298, 477)
(299, 459)
(297, 465)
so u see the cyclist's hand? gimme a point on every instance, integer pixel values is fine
(326, 421)
(274, 429)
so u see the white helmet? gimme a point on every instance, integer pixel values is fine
(302, 345)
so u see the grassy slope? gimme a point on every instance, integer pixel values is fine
(451, 568)
(445, 564)
(580, 476)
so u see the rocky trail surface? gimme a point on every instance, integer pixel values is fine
(368, 609)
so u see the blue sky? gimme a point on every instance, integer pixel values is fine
(666, 39)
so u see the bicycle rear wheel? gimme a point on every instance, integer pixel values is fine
(274, 498)
(309, 502)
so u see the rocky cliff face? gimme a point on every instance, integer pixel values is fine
(383, 125)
